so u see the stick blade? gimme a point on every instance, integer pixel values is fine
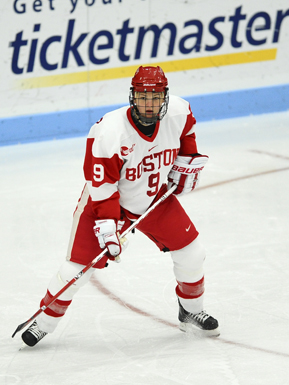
(20, 327)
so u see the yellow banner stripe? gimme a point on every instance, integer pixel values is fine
(169, 66)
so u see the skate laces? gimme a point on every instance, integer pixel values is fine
(201, 317)
(34, 329)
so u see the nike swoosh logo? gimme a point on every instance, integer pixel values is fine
(188, 228)
(152, 148)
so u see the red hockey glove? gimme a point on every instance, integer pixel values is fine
(185, 173)
(105, 231)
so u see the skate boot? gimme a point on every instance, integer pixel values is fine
(202, 321)
(33, 335)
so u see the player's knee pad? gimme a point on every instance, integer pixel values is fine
(67, 271)
(188, 262)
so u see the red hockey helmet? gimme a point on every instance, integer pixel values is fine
(149, 79)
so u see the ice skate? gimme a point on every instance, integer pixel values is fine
(33, 335)
(201, 321)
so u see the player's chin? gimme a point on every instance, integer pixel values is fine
(149, 114)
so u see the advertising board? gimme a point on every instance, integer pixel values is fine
(64, 63)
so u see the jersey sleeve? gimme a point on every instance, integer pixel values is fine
(102, 172)
(188, 138)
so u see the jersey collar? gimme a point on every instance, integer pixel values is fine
(147, 138)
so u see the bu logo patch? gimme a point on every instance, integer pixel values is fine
(126, 151)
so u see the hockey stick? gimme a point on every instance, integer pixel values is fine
(95, 260)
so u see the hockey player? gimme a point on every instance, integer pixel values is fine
(131, 154)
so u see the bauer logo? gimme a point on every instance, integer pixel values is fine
(187, 171)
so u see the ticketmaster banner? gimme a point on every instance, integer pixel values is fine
(64, 63)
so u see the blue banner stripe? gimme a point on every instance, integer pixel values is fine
(71, 123)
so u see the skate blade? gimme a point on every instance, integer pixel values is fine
(190, 328)
(23, 346)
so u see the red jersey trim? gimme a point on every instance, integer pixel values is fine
(188, 142)
(191, 121)
(111, 167)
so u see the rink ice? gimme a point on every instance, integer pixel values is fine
(122, 327)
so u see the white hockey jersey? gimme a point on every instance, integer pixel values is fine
(125, 168)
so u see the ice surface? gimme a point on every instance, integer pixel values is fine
(122, 326)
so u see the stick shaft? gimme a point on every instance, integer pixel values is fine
(94, 261)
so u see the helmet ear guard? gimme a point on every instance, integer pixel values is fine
(149, 79)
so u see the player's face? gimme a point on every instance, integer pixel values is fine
(149, 103)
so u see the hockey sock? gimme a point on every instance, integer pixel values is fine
(57, 309)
